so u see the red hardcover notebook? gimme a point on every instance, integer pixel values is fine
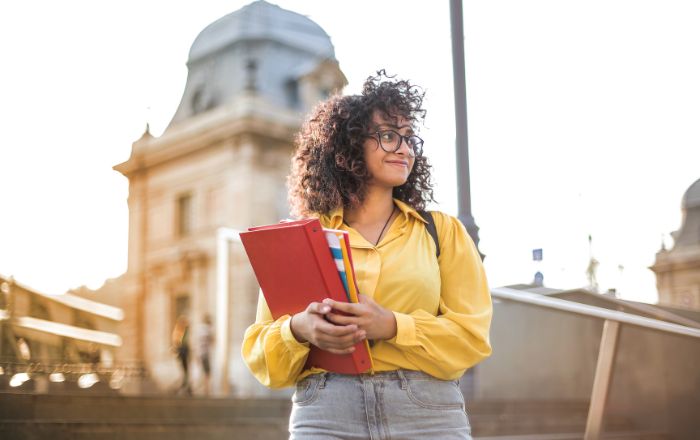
(294, 267)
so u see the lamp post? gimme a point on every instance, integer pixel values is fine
(462, 141)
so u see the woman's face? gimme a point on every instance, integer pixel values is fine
(388, 169)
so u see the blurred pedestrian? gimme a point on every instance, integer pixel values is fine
(205, 341)
(181, 346)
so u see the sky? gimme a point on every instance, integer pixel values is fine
(583, 120)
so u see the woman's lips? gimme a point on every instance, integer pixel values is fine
(397, 163)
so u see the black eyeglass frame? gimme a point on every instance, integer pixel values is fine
(417, 149)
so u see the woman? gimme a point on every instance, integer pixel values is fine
(181, 346)
(205, 339)
(360, 167)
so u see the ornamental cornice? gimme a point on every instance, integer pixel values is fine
(248, 114)
(674, 261)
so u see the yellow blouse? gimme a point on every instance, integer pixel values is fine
(442, 305)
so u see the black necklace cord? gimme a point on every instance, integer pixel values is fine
(385, 225)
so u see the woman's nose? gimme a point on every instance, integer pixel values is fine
(404, 147)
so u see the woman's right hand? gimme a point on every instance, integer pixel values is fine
(311, 326)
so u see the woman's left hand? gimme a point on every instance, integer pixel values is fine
(375, 320)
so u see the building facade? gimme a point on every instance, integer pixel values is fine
(221, 163)
(678, 269)
(48, 342)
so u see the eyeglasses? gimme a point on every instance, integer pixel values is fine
(390, 141)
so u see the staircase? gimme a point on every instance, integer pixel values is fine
(95, 417)
(545, 420)
(63, 417)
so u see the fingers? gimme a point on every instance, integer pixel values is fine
(339, 319)
(331, 331)
(331, 337)
(328, 328)
(342, 344)
(318, 308)
(304, 324)
(353, 309)
(376, 321)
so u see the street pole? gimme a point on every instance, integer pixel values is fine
(462, 140)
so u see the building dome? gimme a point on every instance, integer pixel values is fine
(263, 21)
(691, 198)
(688, 236)
(260, 49)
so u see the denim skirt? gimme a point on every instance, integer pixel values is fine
(397, 405)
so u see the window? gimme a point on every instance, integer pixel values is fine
(37, 308)
(292, 90)
(202, 100)
(184, 215)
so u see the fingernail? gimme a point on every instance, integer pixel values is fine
(325, 309)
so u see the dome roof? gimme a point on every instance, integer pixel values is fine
(689, 233)
(691, 198)
(261, 20)
(257, 50)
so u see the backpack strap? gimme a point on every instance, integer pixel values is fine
(432, 230)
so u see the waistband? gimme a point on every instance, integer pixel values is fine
(401, 375)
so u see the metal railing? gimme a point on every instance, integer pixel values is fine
(608, 343)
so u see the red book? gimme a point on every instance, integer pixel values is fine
(294, 267)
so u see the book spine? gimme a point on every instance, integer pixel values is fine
(336, 248)
(325, 262)
(361, 359)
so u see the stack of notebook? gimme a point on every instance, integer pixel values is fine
(300, 262)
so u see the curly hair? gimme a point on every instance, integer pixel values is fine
(328, 167)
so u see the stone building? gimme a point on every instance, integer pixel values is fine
(678, 269)
(221, 162)
(47, 342)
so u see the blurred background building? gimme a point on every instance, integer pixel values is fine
(678, 269)
(49, 342)
(222, 162)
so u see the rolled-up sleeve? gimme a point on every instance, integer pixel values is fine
(271, 351)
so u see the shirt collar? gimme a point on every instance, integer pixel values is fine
(407, 210)
(334, 219)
